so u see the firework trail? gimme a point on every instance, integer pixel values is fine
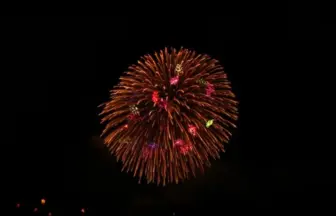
(169, 114)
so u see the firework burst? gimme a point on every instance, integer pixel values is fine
(169, 115)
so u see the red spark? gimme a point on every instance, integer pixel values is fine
(155, 97)
(134, 117)
(184, 149)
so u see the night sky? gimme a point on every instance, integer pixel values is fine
(69, 64)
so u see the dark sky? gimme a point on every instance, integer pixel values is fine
(68, 65)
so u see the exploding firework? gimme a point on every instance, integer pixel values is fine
(169, 115)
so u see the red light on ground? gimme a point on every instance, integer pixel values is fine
(83, 210)
(49, 214)
(18, 205)
(35, 209)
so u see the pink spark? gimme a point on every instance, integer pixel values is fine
(192, 129)
(178, 143)
(210, 89)
(163, 103)
(174, 80)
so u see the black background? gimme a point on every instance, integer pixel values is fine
(67, 66)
